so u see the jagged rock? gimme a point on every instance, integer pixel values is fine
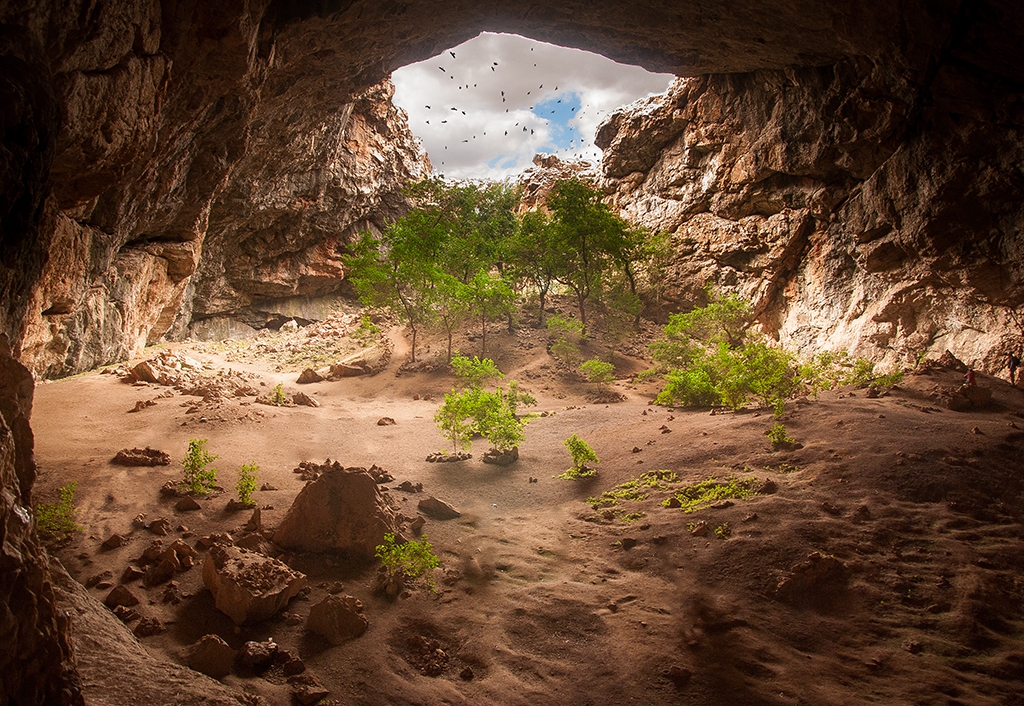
(501, 458)
(950, 362)
(141, 405)
(114, 541)
(438, 509)
(120, 595)
(235, 505)
(301, 398)
(160, 527)
(255, 521)
(379, 474)
(416, 525)
(337, 619)
(342, 511)
(102, 577)
(255, 542)
(342, 370)
(211, 656)
(445, 457)
(161, 572)
(141, 457)
(148, 627)
(125, 614)
(187, 504)
(308, 376)
(256, 657)
(407, 486)
(210, 540)
(306, 690)
(386, 422)
(131, 573)
(249, 587)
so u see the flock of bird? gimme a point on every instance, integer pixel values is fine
(577, 146)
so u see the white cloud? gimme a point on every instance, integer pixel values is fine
(496, 83)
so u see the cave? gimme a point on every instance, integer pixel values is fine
(157, 162)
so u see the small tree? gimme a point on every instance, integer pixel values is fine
(408, 560)
(246, 484)
(581, 454)
(597, 370)
(455, 420)
(198, 479)
(567, 334)
(474, 372)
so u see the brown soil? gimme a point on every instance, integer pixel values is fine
(915, 595)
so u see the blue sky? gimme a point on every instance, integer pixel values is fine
(470, 110)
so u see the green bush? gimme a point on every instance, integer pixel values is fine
(489, 414)
(708, 492)
(198, 479)
(581, 455)
(55, 521)
(828, 370)
(411, 559)
(246, 484)
(596, 370)
(567, 334)
(365, 331)
(778, 436)
(277, 394)
(474, 372)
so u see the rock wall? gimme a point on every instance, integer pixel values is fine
(860, 208)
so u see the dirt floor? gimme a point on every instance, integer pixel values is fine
(886, 567)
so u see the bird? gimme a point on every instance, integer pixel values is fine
(442, 68)
(495, 63)
(454, 108)
(427, 107)
(463, 112)
(428, 122)
(541, 86)
(492, 68)
(465, 140)
(452, 53)
(506, 132)
(527, 93)
(443, 122)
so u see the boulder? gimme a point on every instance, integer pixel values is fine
(256, 657)
(120, 595)
(369, 360)
(211, 656)
(247, 586)
(187, 504)
(337, 619)
(301, 398)
(141, 457)
(386, 422)
(344, 370)
(438, 509)
(342, 511)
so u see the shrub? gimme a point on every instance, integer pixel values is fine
(56, 521)
(474, 372)
(707, 492)
(246, 484)
(454, 419)
(567, 334)
(365, 331)
(277, 394)
(596, 370)
(198, 479)
(778, 436)
(489, 414)
(581, 455)
(411, 559)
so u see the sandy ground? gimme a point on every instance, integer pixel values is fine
(549, 602)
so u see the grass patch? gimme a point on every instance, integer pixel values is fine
(708, 492)
(636, 489)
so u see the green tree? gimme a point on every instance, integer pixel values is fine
(490, 296)
(531, 259)
(581, 454)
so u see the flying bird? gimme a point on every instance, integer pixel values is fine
(452, 53)
(495, 63)
(541, 86)
(427, 107)
(454, 108)
(442, 68)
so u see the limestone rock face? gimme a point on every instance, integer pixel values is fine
(849, 215)
(342, 511)
(248, 586)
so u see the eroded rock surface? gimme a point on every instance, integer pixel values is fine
(248, 586)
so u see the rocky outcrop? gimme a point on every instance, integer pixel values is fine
(248, 586)
(849, 203)
(38, 659)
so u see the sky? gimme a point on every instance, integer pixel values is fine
(483, 109)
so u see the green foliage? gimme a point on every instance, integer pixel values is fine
(198, 479)
(491, 414)
(723, 531)
(713, 359)
(411, 559)
(56, 521)
(828, 370)
(246, 484)
(277, 395)
(567, 334)
(708, 492)
(474, 372)
(366, 331)
(454, 419)
(636, 489)
(581, 454)
(778, 436)
(596, 370)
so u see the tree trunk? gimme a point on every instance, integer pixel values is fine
(413, 343)
(543, 296)
(483, 336)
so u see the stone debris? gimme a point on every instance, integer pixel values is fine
(148, 627)
(160, 527)
(438, 509)
(187, 504)
(386, 422)
(445, 457)
(120, 595)
(113, 542)
(342, 511)
(190, 377)
(309, 471)
(409, 487)
(337, 619)
(501, 458)
(211, 656)
(249, 587)
(255, 657)
(141, 405)
(817, 576)
(141, 457)
(308, 376)
(306, 690)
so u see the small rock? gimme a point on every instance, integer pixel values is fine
(114, 541)
(408, 487)
(147, 627)
(386, 422)
(211, 656)
(438, 509)
(628, 542)
(99, 579)
(234, 506)
(466, 674)
(722, 505)
(160, 527)
(768, 487)
(187, 504)
(308, 376)
(293, 666)
(267, 486)
(141, 457)
(255, 657)
(131, 573)
(337, 619)
(301, 398)
(679, 676)
(976, 430)
(674, 502)
(120, 595)
(160, 573)
(306, 690)
(636, 449)
(416, 526)
(700, 529)
(255, 522)
(912, 646)
(125, 614)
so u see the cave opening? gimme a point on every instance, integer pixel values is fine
(484, 108)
